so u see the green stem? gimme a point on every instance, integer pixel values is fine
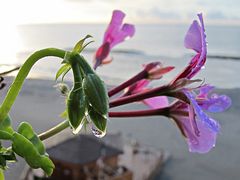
(53, 131)
(21, 76)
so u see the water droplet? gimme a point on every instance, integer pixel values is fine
(203, 67)
(97, 132)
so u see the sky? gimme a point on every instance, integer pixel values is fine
(98, 11)
(17, 12)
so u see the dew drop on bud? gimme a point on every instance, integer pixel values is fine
(97, 132)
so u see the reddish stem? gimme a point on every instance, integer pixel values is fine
(143, 74)
(140, 96)
(151, 112)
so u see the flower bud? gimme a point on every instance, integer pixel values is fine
(96, 92)
(76, 102)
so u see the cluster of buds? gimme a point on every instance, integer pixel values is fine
(188, 109)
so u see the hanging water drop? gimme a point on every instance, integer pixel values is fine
(97, 132)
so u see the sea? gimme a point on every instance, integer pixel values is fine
(161, 42)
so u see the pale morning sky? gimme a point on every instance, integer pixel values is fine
(14, 12)
(98, 11)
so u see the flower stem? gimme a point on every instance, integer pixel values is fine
(141, 75)
(140, 96)
(53, 131)
(21, 76)
(151, 112)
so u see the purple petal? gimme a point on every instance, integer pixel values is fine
(192, 120)
(193, 37)
(156, 102)
(216, 103)
(204, 91)
(203, 36)
(202, 143)
(201, 114)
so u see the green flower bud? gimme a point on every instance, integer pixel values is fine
(96, 92)
(76, 102)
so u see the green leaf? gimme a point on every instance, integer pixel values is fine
(63, 71)
(96, 92)
(80, 46)
(26, 149)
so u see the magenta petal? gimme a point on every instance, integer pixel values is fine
(193, 37)
(116, 31)
(139, 86)
(129, 29)
(156, 102)
(114, 25)
(126, 31)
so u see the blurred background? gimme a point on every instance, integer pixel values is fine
(27, 26)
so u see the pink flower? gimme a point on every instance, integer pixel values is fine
(115, 34)
(195, 39)
(199, 129)
(200, 138)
